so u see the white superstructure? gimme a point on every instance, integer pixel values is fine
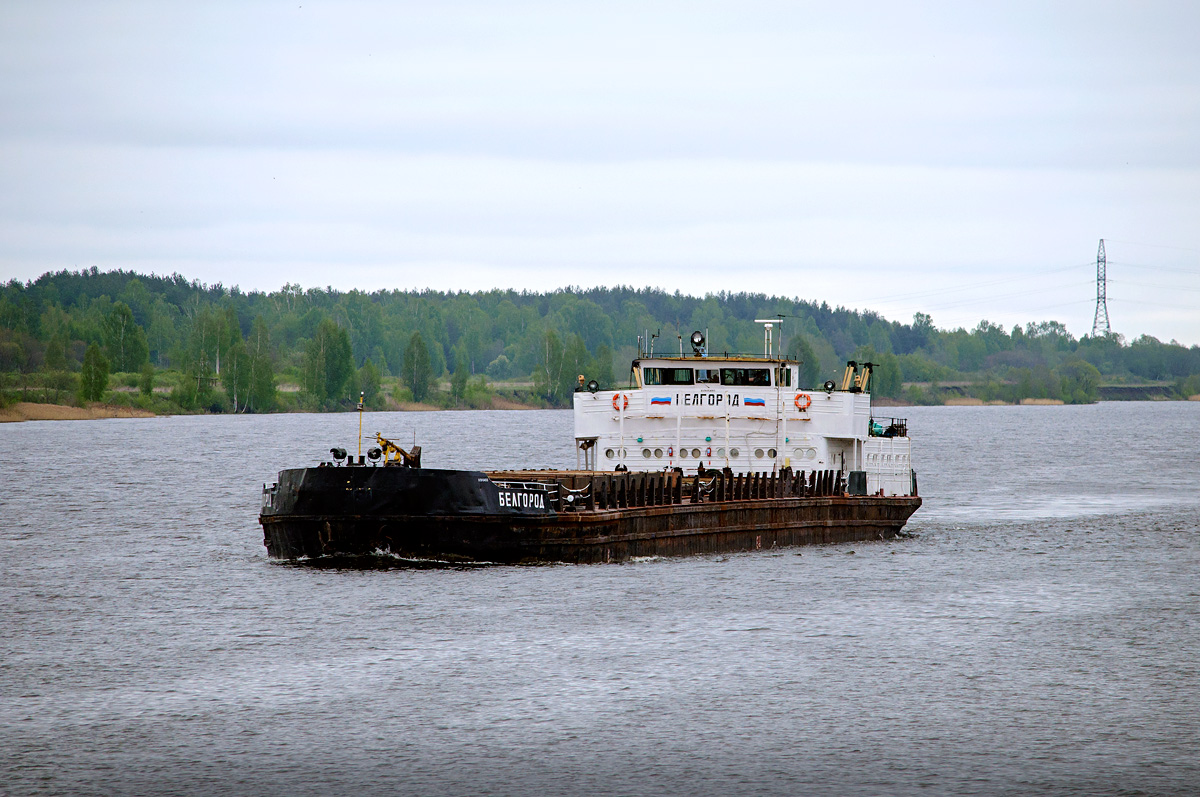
(744, 413)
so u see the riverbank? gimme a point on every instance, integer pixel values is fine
(30, 411)
(34, 411)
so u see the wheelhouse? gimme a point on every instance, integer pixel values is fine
(742, 412)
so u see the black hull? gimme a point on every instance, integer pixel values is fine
(455, 516)
(596, 537)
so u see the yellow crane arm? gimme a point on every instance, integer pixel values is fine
(393, 453)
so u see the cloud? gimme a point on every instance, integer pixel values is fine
(855, 156)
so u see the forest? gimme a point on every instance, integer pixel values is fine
(169, 345)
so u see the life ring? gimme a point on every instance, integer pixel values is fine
(803, 401)
(617, 402)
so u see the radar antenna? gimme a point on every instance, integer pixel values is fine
(768, 324)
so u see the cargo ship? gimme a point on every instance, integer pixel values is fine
(700, 453)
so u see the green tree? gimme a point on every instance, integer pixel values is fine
(602, 368)
(575, 362)
(12, 355)
(93, 379)
(368, 380)
(547, 374)
(163, 331)
(146, 379)
(202, 357)
(800, 350)
(885, 375)
(499, 367)
(124, 340)
(184, 393)
(55, 364)
(328, 363)
(1080, 382)
(236, 376)
(262, 369)
(886, 380)
(56, 353)
(418, 373)
(462, 370)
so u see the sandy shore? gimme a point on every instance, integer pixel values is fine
(498, 403)
(967, 401)
(28, 411)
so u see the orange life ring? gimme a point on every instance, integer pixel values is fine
(617, 402)
(803, 401)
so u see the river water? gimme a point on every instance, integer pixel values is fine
(1039, 635)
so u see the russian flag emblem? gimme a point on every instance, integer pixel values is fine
(660, 400)
(753, 402)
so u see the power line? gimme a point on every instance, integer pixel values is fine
(1119, 300)
(1011, 294)
(1155, 246)
(1152, 285)
(1007, 280)
(1068, 303)
(1157, 268)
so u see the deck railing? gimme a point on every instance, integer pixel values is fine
(666, 488)
(888, 427)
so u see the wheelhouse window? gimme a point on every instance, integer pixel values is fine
(746, 377)
(708, 376)
(667, 376)
(783, 376)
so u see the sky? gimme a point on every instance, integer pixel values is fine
(958, 159)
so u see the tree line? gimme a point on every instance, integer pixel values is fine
(172, 344)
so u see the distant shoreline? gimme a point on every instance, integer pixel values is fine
(33, 411)
(967, 401)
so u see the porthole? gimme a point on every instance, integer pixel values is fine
(608, 452)
(733, 452)
(646, 453)
(758, 452)
(772, 453)
(812, 453)
(721, 453)
(798, 453)
(683, 453)
(658, 453)
(696, 453)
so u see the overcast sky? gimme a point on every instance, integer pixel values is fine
(960, 159)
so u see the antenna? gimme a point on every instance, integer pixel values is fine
(1100, 327)
(767, 324)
